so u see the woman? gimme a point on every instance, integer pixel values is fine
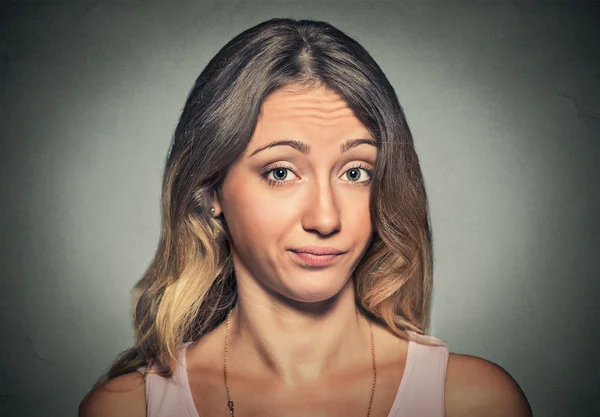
(294, 270)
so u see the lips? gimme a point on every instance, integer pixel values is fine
(316, 256)
(318, 250)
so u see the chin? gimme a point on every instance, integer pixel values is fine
(314, 290)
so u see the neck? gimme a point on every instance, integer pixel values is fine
(296, 347)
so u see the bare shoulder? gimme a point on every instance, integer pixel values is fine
(478, 387)
(123, 396)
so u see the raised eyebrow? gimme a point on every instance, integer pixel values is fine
(305, 149)
(352, 143)
(296, 144)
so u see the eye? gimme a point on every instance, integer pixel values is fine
(358, 174)
(277, 175)
(281, 175)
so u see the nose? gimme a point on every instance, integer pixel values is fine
(321, 212)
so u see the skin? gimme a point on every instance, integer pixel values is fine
(294, 322)
(295, 328)
(296, 333)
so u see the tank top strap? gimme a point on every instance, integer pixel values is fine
(424, 378)
(168, 396)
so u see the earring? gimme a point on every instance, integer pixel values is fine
(212, 211)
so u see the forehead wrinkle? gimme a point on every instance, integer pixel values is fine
(313, 102)
(310, 113)
(325, 103)
(316, 107)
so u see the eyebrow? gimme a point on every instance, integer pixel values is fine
(305, 149)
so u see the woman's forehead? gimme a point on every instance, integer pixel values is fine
(306, 119)
(317, 105)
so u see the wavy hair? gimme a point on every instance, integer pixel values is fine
(189, 286)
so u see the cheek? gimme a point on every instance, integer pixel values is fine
(245, 220)
(357, 213)
(255, 214)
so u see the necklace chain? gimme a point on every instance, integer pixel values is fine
(230, 402)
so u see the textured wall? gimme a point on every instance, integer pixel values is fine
(503, 100)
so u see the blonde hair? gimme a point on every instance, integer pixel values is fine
(189, 286)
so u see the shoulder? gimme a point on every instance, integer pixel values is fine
(477, 387)
(123, 396)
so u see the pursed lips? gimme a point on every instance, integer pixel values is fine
(318, 250)
(317, 256)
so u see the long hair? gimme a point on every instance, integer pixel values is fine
(189, 287)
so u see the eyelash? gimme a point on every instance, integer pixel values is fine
(265, 175)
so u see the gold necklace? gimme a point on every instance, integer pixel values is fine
(230, 403)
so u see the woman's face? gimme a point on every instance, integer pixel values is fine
(301, 187)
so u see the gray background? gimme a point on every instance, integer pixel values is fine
(503, 101)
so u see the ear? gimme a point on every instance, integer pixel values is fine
(216, 203)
